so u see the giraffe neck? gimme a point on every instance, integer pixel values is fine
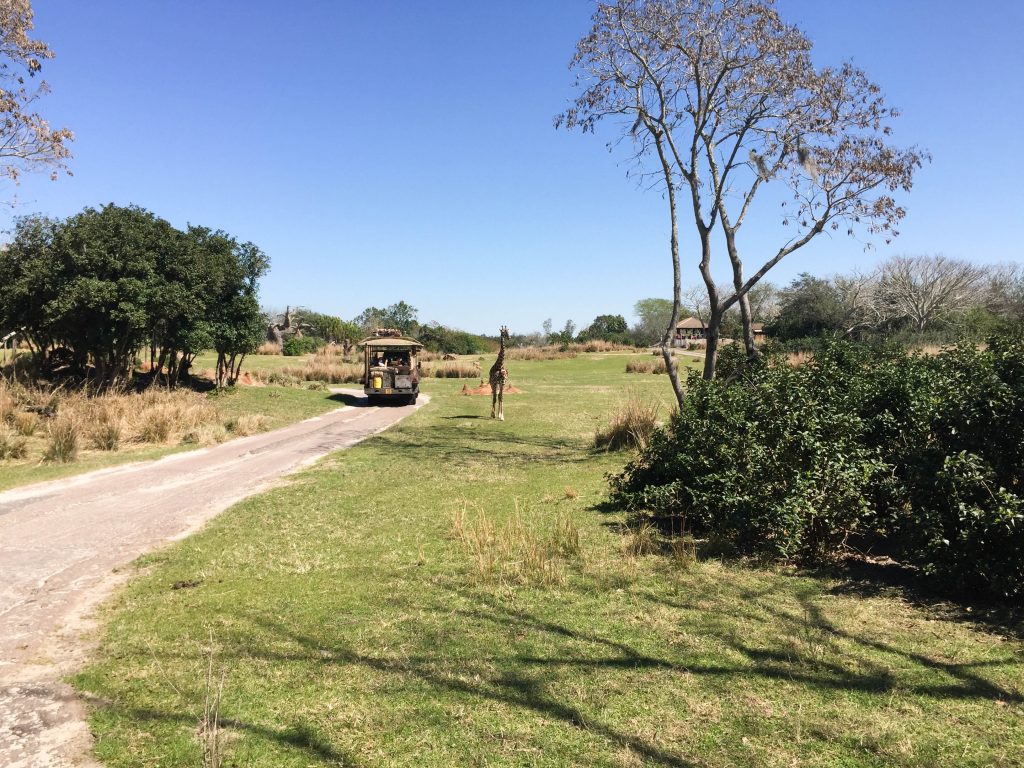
(500, 362)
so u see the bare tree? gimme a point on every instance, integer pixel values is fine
(926, 289)
(27, 142)
(719, 98)
(1002, 290)
(858, 297)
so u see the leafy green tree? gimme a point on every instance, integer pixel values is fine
(235, 312)
(607, 328)
(29, 282)
(438, 338)
(106, 265)
(400, 315)
(653, 318)
(809, 306)
(90, 292)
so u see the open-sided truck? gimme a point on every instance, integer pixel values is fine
(391, 368)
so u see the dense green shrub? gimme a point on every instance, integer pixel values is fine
(772, 464)
(923, 455)
(301, 345)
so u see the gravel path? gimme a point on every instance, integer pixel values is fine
(62, 544)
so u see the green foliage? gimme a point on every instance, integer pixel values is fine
(653, 316)
(331, 328)
(93, 290)
(607, 328)
(399, 315)
(922, 455)
(810, 306)
(295, 346)
(438, 338)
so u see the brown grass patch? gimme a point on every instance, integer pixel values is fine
(631, 424)
(323, 369)
(450, 370)
(539, 353)
(269, 348)
(647, 366)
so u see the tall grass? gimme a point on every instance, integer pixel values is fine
(453, 371)
(11, 445)
(599, 345)
(521, 551)
(64, 438)
(631, 424)
(321, 368)
(646, 366)
(539, 353)
(269, 348)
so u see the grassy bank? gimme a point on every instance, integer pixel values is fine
(226, 414)
(447, 594)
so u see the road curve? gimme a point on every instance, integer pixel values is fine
(62, 542)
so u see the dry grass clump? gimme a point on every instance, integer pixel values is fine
(8, 402)
(599, 345)
(269, 348)
(539, 353)
(158, 415)
(453, 371)
(640, 541)
(796, 359)
(646, 366)
(11, 445)
(64, 434)
(518, 552)
(206, 434)
(683, 551)
(631, 424)
(329, 352)
(106, 435)
(247, 424)
(25, 423)
(323, 369)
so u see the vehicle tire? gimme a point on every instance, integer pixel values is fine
(411, 400)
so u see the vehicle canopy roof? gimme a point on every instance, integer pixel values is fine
(386, 342)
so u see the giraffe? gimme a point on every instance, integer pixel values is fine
(498, 377)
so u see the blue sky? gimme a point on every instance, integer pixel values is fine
(405, 150)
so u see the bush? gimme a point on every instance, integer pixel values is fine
(301, 345)
(921, 454)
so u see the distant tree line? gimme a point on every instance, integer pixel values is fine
(316, 329)
(928, 297)
(91, 293)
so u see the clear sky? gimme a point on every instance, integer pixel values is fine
(405, 150)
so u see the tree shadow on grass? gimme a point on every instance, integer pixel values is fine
(775, 632)
(298, 735)
(515, 688)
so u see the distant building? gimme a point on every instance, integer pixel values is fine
(692, 329)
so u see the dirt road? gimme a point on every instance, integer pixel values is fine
(61, 544)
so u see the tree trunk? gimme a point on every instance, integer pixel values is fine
(711, 352)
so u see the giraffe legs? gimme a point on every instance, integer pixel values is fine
(501, 401)
(494, 399)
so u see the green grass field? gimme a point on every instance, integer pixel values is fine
(349, 622)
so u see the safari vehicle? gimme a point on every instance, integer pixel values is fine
(391, 370)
